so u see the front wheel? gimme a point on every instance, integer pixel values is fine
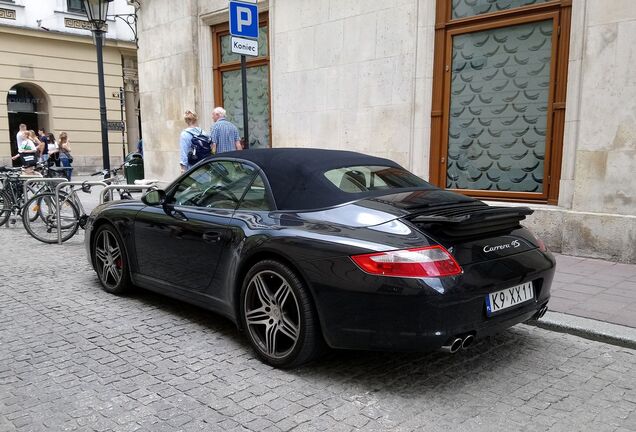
(110, 260)
(40, 216)
(278, 316)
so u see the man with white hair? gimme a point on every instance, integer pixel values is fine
(225, 136)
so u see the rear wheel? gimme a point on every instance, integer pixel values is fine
(39, 217)
(110, 260)
(278, 316)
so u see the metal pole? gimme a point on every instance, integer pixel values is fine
(123, 128)
(246, 129)
(99, 40)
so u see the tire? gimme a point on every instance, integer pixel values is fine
(278, 315)
(40, 219)
(110, 260)
(5, 207)
(31, 192)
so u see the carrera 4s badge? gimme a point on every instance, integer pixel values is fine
(513, 244)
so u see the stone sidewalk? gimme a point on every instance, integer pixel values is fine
(596, 289)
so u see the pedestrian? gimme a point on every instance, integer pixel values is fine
(225, 136)
(35, 140)
(19, 136)
(27, 153)
(53, 150)
(64, 147)
(185, 140)
(43, 148)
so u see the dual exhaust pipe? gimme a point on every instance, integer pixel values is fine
(463, 342)
(541, 312)
(458, 343)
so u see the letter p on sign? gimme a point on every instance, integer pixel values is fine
(244, 19)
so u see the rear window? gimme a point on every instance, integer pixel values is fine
(356, 179)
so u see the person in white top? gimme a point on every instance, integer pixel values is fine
(27, 151)
(19, 136)
(54, 151)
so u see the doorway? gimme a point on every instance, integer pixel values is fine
(26, 104)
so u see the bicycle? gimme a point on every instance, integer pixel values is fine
(40, 215)
(12, 198)
(115, 178)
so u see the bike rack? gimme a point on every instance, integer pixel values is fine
(31, 180)
(58, 187)
(111, 188)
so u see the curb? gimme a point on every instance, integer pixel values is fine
(587, 328)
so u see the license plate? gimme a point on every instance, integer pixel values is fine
(508, 298)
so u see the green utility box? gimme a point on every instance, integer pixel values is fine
(134, 167)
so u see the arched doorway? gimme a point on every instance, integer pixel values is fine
(26, 104)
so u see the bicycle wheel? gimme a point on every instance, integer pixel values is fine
(40, 218)
(32, 191)
(5, 207)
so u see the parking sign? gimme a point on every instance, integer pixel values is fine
(244, 19)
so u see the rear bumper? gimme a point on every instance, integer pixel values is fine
(360, 311)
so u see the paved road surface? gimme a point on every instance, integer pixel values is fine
(75, 358)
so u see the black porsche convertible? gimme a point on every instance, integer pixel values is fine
(307, 248)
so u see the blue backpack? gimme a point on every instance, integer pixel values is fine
(200, 148)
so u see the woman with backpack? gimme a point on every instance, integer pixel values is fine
(194, 144)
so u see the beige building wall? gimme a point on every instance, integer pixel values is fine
(357, 75)
(64, 67)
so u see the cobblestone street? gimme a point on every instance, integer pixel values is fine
(73, 357)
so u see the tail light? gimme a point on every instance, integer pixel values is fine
(540, 244)
(432, 261)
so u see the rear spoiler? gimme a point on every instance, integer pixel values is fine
(472, 221)
(478, 215)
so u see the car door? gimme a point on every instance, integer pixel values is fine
(181, 242)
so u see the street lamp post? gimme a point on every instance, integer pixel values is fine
(96, 11)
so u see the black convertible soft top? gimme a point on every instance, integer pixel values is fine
(296, 175)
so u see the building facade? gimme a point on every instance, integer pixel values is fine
(521, 102)
(49, 78)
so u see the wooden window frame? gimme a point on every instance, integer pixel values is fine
(218, 31)
(445, 28)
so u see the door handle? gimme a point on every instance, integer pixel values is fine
(211, 237)
(171, 211)
(179, 215)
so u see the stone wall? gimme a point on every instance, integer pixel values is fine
(168, 79)
(597, 199)
(344, 76)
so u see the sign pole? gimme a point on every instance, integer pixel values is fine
(244, 41)
(121, 115)
(246, 129)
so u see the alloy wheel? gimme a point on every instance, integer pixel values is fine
(108, 259)
(272, 314)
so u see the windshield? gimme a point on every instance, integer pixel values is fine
(356, 179)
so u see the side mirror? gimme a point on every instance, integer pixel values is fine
(154, 197)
